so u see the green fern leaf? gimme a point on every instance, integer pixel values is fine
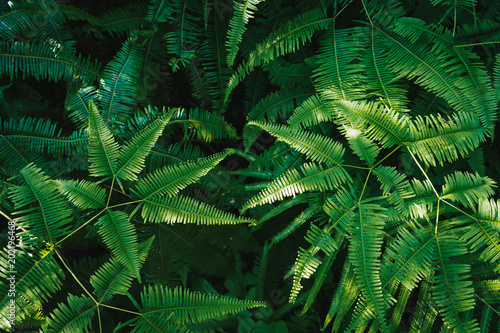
(312, 112)
(74, 317)
(363, 147)
(103, 149)
(120, 237)
(83, 194)
(310, 178)
(180, 306)
(37, 277)
(317, 147)
(452, 290)
(113, 278)
(171, 179)
(49, 219)
(45, 61)
(467, 188)
(243, 12)
(119, 81)
(180, 209)
(131, 157)
(435, 138)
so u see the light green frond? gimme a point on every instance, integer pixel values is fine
(171, 179)
(339, 75)
(181, 209)
(424, 199)
(113, 278)
(74, 317)
(417, 61)
(484, 239)
(206, 126)
(467, 188)
(120, 237)
(317, 147)
(286, 39)
(409, 258)
(119, 81)
(305, 265)
(311, 177)
(181, 306)
(381, 83)
(131, 157)
(488, 211)
(103, 149)
(37, 277)
(243, 12)
(363, 147)
(45, 61)
(374, 120)
(45, 215)
(434, 138)
(312, 112)
(83, 194)
(365, 239)
(452, 289)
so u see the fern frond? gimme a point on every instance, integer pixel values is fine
(119, 81)
(83, 194)
(452, 290)
(50, 219)
(204, 125)
(317, 147)
(120, 237)
(159, 11)
(312, 112)
(296, 222)
(345, 295)
(363, 147)
(77, 103)
(467, 188)
(482, 238)
(408, 258)
(426, 311)
(390, 178)
(243, 12)
(286, 39)
(374, 120)
(339, 74)
(180, 306)
(285, 74)
(434, 138)
(45, 61)
(120, 21)
(37, 277)
(180, 209)
(113, 278)
(182, 41)
(103, 149)
(171, 179)
(131, 157)
(74, 317)
(311, 177)
(365, 238)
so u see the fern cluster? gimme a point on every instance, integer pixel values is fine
(341, 154)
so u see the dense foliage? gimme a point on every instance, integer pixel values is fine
(262, 165)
